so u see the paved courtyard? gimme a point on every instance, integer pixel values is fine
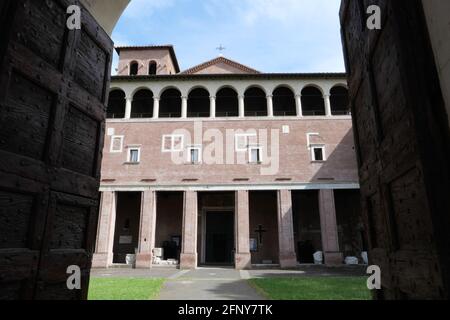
(219, 283)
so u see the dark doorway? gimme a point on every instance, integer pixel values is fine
(127, 225)
(307, 230)
(169, 218)
(264, 227)
(219, 237)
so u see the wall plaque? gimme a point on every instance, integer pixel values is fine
(125, 240)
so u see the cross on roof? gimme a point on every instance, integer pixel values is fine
(221, 49)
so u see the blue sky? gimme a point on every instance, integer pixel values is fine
(268, 35)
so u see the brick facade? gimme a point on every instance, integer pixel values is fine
(287, 142)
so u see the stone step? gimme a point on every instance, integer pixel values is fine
(121, 266)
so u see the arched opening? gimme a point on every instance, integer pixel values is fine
(312, 102)
(142, 106)
(134, 67)
(255, 102)
(227, 103)
(198, 103)
(170, 104)
(284, 102)
(116, 105)
(152, 68)
(340, 105)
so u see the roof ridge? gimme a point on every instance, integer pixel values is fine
(211, 62)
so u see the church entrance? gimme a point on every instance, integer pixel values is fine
(219, 236)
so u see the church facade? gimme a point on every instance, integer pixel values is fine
(224, 165)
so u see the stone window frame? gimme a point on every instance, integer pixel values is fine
(189, 158)
(250, 149)
(133, 148)
(172, 144)
(111, 148)
(313, 147)
(247, 137)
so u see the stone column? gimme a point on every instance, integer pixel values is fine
(242, 226)
(128, 105)
(328, 226)
(288, 258)
(184, 105)
(270, 106)
(298, 105)
(103, 256)
(241, 106)
(212, 100)
(147, 230)
(189, 240)
(327, 105)
(156, 107)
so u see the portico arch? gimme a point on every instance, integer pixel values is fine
(339, 101)
(284, 102)
(142, 106)
(116, 104)
(198, 103)
(227, 102)
(170, 103)
(313, 103)
(255, 102)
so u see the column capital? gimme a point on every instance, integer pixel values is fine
(156, 98)
(269, 96)
(212, 97)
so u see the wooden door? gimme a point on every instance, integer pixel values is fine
(403, 148)
(53, 91)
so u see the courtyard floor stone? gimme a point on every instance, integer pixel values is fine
(220, 283)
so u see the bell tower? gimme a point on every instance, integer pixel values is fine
(147, 61)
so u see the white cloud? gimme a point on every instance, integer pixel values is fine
(270, 35)
(286, 12)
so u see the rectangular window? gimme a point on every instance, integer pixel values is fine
(172, 143)
(134, 155)
(194, 155)
(116, 144)
(242, 141)
(255, 155)
(318, 153)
